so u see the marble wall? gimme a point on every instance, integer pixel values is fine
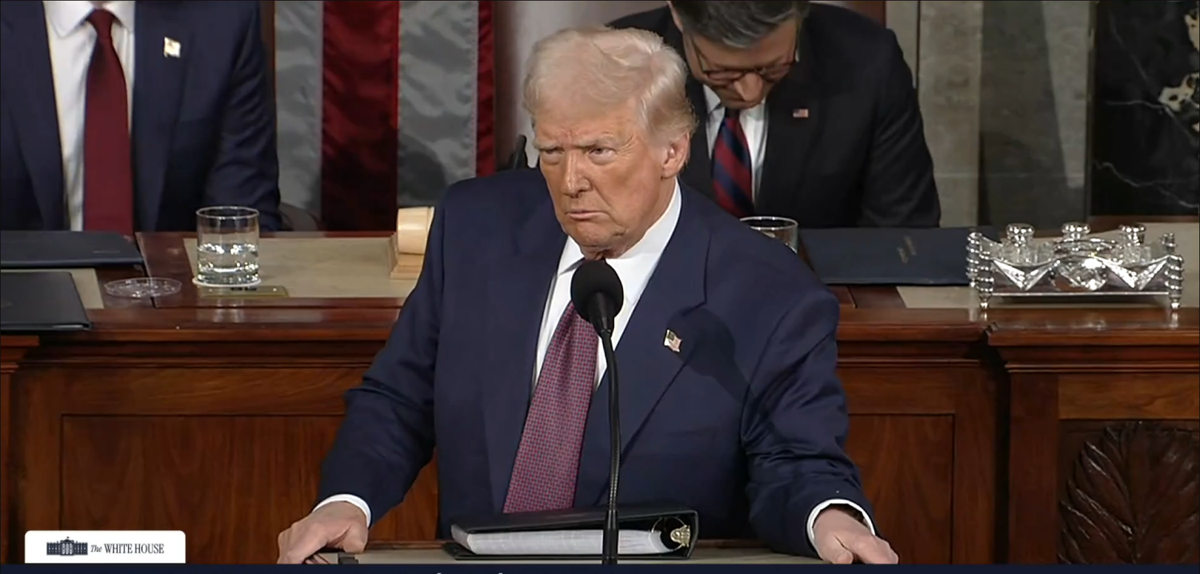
(1145, 156)
(1003, 90)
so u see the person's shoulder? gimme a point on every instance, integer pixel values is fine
(743, 261)
(851, 39)
(504, 195)
(229, 14)
(657, 20)
(835, 23)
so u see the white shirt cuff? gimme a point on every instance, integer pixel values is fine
(812, 518)
(362, 505)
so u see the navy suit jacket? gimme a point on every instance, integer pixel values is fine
(745, 424)
(203, 129)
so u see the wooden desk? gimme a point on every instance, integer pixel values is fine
(213, 417)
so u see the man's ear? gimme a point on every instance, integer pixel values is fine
(676, 156)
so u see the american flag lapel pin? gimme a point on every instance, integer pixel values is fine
(800, 113)
(672, 341)
(171, 48)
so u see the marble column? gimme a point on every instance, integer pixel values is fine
(1003, 90)
(1033, 112)
(948, 82)
(1145, 112)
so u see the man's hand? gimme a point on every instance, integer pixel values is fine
(336, 525)
(841, 539)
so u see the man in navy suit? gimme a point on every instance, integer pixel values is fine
(729, 400)
(129, 116)
(817, 102)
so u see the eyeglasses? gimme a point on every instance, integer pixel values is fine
(770, 74)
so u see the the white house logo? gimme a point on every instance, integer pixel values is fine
(66, 547)
(105, 547)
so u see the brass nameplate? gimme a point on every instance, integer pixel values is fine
(256, 292)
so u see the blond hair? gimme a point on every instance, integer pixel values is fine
(597, 69)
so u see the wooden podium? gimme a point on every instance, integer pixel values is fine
(707, 552)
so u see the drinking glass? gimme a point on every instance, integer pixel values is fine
(780, 228)
(227, 247)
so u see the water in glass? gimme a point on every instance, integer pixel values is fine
(227, 246)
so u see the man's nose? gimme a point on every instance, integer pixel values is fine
(750, 87)
(574, 176)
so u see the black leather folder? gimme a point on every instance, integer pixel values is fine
(890, 256)
(679, 527)
(65, 249)
(40, 301)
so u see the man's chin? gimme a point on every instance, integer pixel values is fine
(739, 104)
(592, 238)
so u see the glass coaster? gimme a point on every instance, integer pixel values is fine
(143, 287)
(197, 282)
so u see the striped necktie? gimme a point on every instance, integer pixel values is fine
(733, 181)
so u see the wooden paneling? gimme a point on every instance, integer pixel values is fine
(218, 450)
(163, 435)
(1129, 493)
(12, 350)
(214, 418)
(907, 463)
(1103, 457)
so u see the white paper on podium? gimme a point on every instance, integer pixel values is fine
(559, 542)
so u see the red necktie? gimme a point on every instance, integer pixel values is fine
(107, 163)
(733, 181)
(547, 463)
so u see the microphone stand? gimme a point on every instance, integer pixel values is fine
(611, 528)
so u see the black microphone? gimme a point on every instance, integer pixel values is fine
(597, 295)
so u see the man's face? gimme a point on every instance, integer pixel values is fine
(742, 77)
(608, 181)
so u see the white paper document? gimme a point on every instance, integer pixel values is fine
(559, 542)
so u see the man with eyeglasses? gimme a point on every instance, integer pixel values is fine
(808, 112)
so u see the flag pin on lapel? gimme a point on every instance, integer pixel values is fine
(672, 341)
(171, 48)
(800, 113)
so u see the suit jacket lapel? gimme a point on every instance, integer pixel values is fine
(156, 100)
(34, 108)
(647, 366)
(519, 285)
(794, 118)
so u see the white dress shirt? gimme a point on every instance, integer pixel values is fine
(634, 268)
(71, 42)
(754, 124)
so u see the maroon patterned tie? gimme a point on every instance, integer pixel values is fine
(547, 463)
(107, 163)
(733, 180)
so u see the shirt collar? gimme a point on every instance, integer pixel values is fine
(652, 244)
(68, 15)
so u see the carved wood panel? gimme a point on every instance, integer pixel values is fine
(1132, 496)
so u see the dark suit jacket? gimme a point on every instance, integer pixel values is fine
(203, 123)
(745, 425)
(859, 158)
